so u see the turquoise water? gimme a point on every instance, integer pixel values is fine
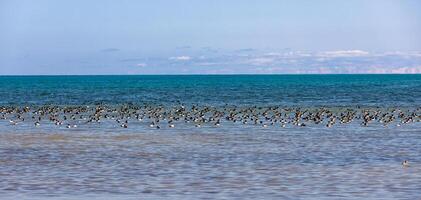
(286, 90)
(102, 160)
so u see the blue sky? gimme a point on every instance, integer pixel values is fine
(209, 37)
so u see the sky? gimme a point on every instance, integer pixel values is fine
(47, 37)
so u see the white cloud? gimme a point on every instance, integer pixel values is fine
(261, 61)
(181, 58)
(274, 54)
(207, 63)
(335, 61)
(342, 53)
(141, 65)
(398, 70)
(402, 54)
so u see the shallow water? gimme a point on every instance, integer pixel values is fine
(246, 162)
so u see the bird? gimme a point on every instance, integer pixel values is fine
(405, 163)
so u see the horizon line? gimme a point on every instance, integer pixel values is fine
(204, 74)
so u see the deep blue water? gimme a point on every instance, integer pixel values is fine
(287, 90)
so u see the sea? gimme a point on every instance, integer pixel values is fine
(231, 161)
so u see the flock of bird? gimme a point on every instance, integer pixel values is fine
(160, 116)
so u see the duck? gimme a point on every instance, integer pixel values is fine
(405, 163)
(12, 122)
